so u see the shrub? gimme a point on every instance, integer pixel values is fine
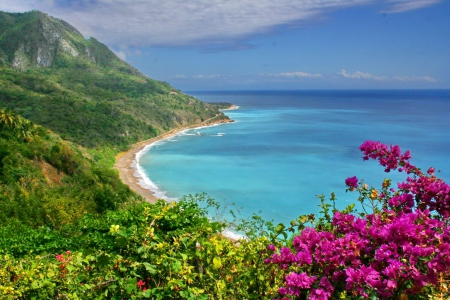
(402, 247)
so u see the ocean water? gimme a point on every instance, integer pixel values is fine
(287, 147)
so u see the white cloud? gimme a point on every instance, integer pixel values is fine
(296, 74)
(180, 76)
(181, 22)
(419, 78)
(361, 75)
(407, 5)
(201, 76)
(121, 55)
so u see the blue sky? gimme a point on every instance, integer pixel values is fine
(269, 44)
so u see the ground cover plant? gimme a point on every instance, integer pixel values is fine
(396, 247)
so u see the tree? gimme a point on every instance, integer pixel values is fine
(8, 118)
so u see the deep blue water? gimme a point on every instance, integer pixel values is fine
(286, 147)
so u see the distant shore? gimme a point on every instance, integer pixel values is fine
(126, 161)
(231, 107)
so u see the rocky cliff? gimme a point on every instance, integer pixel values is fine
(35, 39)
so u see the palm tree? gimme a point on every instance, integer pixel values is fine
(22, 128)
(25, 129)
(8, 118)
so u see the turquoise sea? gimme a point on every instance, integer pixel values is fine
(286, 147)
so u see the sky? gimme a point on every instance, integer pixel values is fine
(269, 44)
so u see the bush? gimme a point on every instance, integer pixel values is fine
(402, 247)
(398, 247)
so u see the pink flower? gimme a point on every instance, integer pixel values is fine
(141, 285)
(352, 182)
(407, 241)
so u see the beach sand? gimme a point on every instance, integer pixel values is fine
(126, 161)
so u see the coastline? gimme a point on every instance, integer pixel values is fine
(126, 161)
(232, 107)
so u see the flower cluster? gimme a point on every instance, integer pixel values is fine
(63, 259)
(389, 157)
(60, 257)
(351, 182)
(398, 250)
(429, 191)
(141, 284)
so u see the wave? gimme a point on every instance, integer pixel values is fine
(143, 180)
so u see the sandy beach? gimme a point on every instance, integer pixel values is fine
(126, 161)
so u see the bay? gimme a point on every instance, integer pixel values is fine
(287, 147)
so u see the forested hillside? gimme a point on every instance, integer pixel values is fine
(81, 90)
(45, 180)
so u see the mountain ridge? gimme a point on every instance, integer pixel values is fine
(44, 38)
(81, 90)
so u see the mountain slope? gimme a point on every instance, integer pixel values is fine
(45, 180)
(81, 90)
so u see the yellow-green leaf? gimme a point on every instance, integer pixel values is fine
(50, 273)
(221, 285)
(217, 262)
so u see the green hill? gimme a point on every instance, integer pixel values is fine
(52, 75)
(45, 180)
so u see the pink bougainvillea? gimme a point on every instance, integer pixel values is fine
(397, 250)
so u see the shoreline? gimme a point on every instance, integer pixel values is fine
(232, 107)
(126, 161)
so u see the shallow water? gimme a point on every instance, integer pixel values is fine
(286, 147)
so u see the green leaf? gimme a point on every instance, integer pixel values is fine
(50, 273)
(221, 285)
(150, 268)
(130, 288)
(176, 266)
(303, 219)
(35, 285)
(280, 227)
(147, 293)
(217, 262)
(131, 285)
(218, 247)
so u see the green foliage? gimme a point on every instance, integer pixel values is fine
(221, 105)
(47, 181)
(160, 251)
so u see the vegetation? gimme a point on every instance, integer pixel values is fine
(398, 246)
(221, 105)
(175, 251)
(81, 90)
(70, 229)
(46, 181)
